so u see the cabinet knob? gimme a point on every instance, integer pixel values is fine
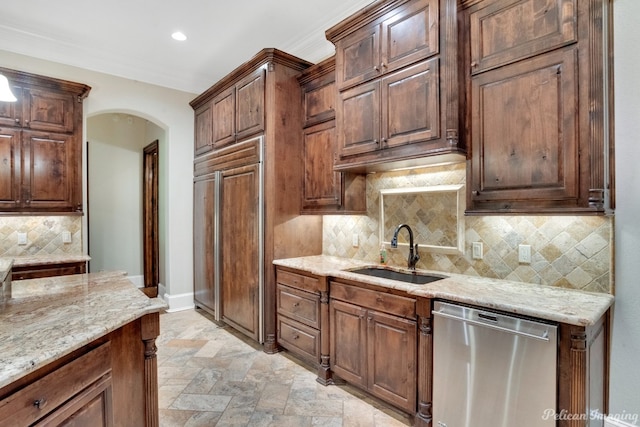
(384, 139)
(375, 141)
(26, 122)
(475, 192)
(18, 121)
(383, 65)
(375, 68)
(474, 64)
(296, 304)
(295, 337)
(40, 403)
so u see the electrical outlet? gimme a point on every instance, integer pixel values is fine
(477, 250)
(524, 254)
(22, 238)
(66, 237)
(354, 240)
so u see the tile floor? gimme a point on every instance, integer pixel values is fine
(211, 376)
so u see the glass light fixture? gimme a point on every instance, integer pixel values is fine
(5, 91)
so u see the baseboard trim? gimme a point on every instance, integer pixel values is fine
(138, 281)
(178, 302)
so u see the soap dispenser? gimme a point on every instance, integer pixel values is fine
(383, 254)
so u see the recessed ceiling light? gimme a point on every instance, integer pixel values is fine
(178, 35)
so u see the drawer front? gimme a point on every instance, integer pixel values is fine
(306, 283)
(299, 339)
(299, 305)
(46, 394)
(381, 301)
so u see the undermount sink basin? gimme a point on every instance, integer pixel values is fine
(415, 278)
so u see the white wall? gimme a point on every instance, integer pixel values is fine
(170, 110)
(625, 352)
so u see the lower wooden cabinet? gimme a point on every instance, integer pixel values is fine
(22, 272)
(374, 342)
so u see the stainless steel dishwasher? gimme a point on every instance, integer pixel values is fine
(492, 370)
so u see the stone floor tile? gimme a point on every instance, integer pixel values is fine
(201, 402)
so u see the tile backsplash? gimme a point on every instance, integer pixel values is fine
(567, 251)
(44, 235)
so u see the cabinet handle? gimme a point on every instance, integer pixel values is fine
(26, 122)
(375, 68)
(375, 141)
(18, 121)
(296, 336)
(383, 65)
(475, 192)
(474, 64)
(296, 304)
(384, 140)
(40, 403)
(369, 319)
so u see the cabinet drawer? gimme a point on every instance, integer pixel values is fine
(299, 305)
(46, 394)
(306, 283)
(388, 303)
(299, 339)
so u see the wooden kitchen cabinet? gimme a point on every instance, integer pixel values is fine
(302, 302)
(325, 191)
(41, 145)
(203, 126)
(537, 106)
(257, 156)
(365, 325)
(397, 73)
(204, 204)
(35, 271)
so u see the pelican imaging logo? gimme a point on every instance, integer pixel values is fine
(594, 414)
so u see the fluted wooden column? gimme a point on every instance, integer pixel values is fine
(150, 330)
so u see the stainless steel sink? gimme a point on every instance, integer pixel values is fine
(385, 273)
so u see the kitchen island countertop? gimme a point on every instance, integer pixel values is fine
(556, 304)
(42, 320)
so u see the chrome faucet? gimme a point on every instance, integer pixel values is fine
(413, 250)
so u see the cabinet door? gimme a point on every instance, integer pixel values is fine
(409, 35)
(523, 131)
(410, 105)
(321, 184)
(11, 112)
(504, 31)
(358, 57)
(224, 119)
(203, 243)
(48, 111)
(48, 170)
(392, 352)
(203, 129)
(10, 169)
(250, 104)
(359, 119)
(348, 348)
(240, 256)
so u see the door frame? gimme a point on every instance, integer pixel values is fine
(150, 177)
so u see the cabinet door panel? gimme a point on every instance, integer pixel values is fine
(203, 129)
(508, 30)
(48, 111)
(10, 168)
(203, 244)
(48, 170)
(11, 112)
(410, 105)
(392, 373)
(524, 132)
(358, 57)
(224, 119)
(359, 119)
(321, 184)
(240, 278)
(348, 354)
(250, 104)
(410, 35)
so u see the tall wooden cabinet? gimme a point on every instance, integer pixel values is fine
(41, 145)
(537, 105)
(324, 190)
(258, 203)
(397, 76)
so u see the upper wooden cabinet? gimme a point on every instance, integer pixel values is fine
(537, 106)
(398, 35)
(324, 190)
(41, 145)
(397, 76)
(233, 114)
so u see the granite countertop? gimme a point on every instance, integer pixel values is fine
(544, 302)
(44, 319)
(6, 263)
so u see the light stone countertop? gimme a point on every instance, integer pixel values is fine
(6, 263)
(45, 319)
(544, 302)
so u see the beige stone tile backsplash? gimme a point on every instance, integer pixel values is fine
(567, 251)
(44, 235)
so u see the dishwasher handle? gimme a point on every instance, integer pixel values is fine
(543, 336)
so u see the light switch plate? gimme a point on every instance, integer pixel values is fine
(477, 250)
(66, 237)
(354, 240)
(22, 238)
(524, 254)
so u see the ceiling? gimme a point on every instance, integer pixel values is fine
(132, 39)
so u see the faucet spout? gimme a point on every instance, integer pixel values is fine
(413, 250)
